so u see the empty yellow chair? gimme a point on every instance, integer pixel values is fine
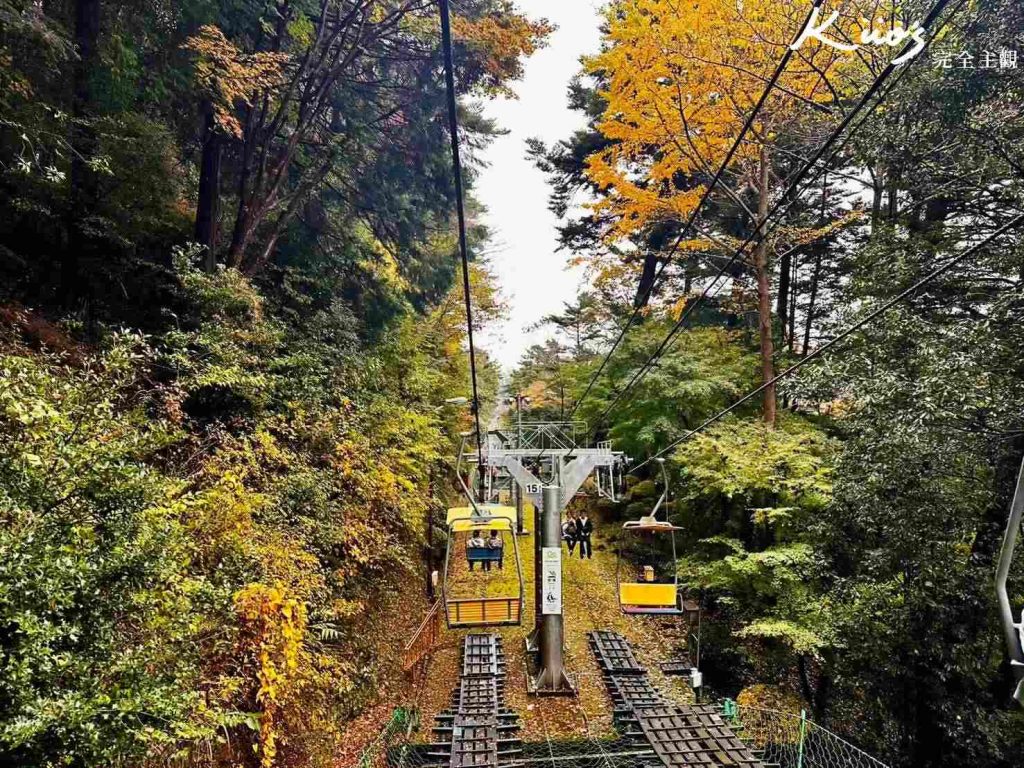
(648, 596)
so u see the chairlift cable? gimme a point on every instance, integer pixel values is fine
(453, 129)
(641, 301)
(757, 234)
(867, 320)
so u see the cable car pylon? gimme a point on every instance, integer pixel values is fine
(550, 677)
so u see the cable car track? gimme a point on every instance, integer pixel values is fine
(478, 730)
(680, 735)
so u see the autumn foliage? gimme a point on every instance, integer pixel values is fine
(678, 80)
(230, 78)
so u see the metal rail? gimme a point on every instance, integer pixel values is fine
(681, 736)
(478, 730)
(1012, 631)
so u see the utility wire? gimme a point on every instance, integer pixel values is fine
(866, 320)
(790, 195)
(453, 128)
(642, 299)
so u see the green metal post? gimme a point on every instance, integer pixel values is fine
(803, 733)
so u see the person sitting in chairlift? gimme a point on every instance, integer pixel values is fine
(476, 541)
(494, 542)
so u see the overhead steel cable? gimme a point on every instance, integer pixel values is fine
(790, 196)
(642, 299)
(866, 320)
(453, 129)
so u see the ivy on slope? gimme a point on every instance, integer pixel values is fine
(193, 524)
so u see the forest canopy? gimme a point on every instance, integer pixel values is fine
(843, 524)
(228, 325)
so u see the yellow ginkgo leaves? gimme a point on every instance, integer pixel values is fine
(679, 79)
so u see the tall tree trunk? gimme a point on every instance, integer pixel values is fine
(208, 205)
(793, 283)
(764, 303)
(877, 187)
(83, 141)
(823, 693)
(782, 300)
(893, 192)
(646, 286)
(240, 232)
(809, 321)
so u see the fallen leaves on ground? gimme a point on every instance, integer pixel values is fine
(590, 601)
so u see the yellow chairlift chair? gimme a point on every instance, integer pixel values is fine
(483, 610)
(646, 595)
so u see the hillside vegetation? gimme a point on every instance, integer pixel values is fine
(843, 524)
(228, 327)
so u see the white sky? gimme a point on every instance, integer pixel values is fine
(534, 279)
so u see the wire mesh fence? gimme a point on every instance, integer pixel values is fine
(398, 747)
(779, 740)
(396, 733)
(789, 740)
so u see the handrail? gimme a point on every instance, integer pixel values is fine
(1011, 629)
(415, 650)
(547, 434)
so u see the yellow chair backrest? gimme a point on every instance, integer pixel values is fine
(648, 595)
(502, 518)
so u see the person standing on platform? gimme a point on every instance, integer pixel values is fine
(584, 530)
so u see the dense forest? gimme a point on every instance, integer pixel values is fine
(842, 525)
(228, 326)
(231, 317)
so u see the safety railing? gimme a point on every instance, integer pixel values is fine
(550, 435)
(424, 639)
(791, 740)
